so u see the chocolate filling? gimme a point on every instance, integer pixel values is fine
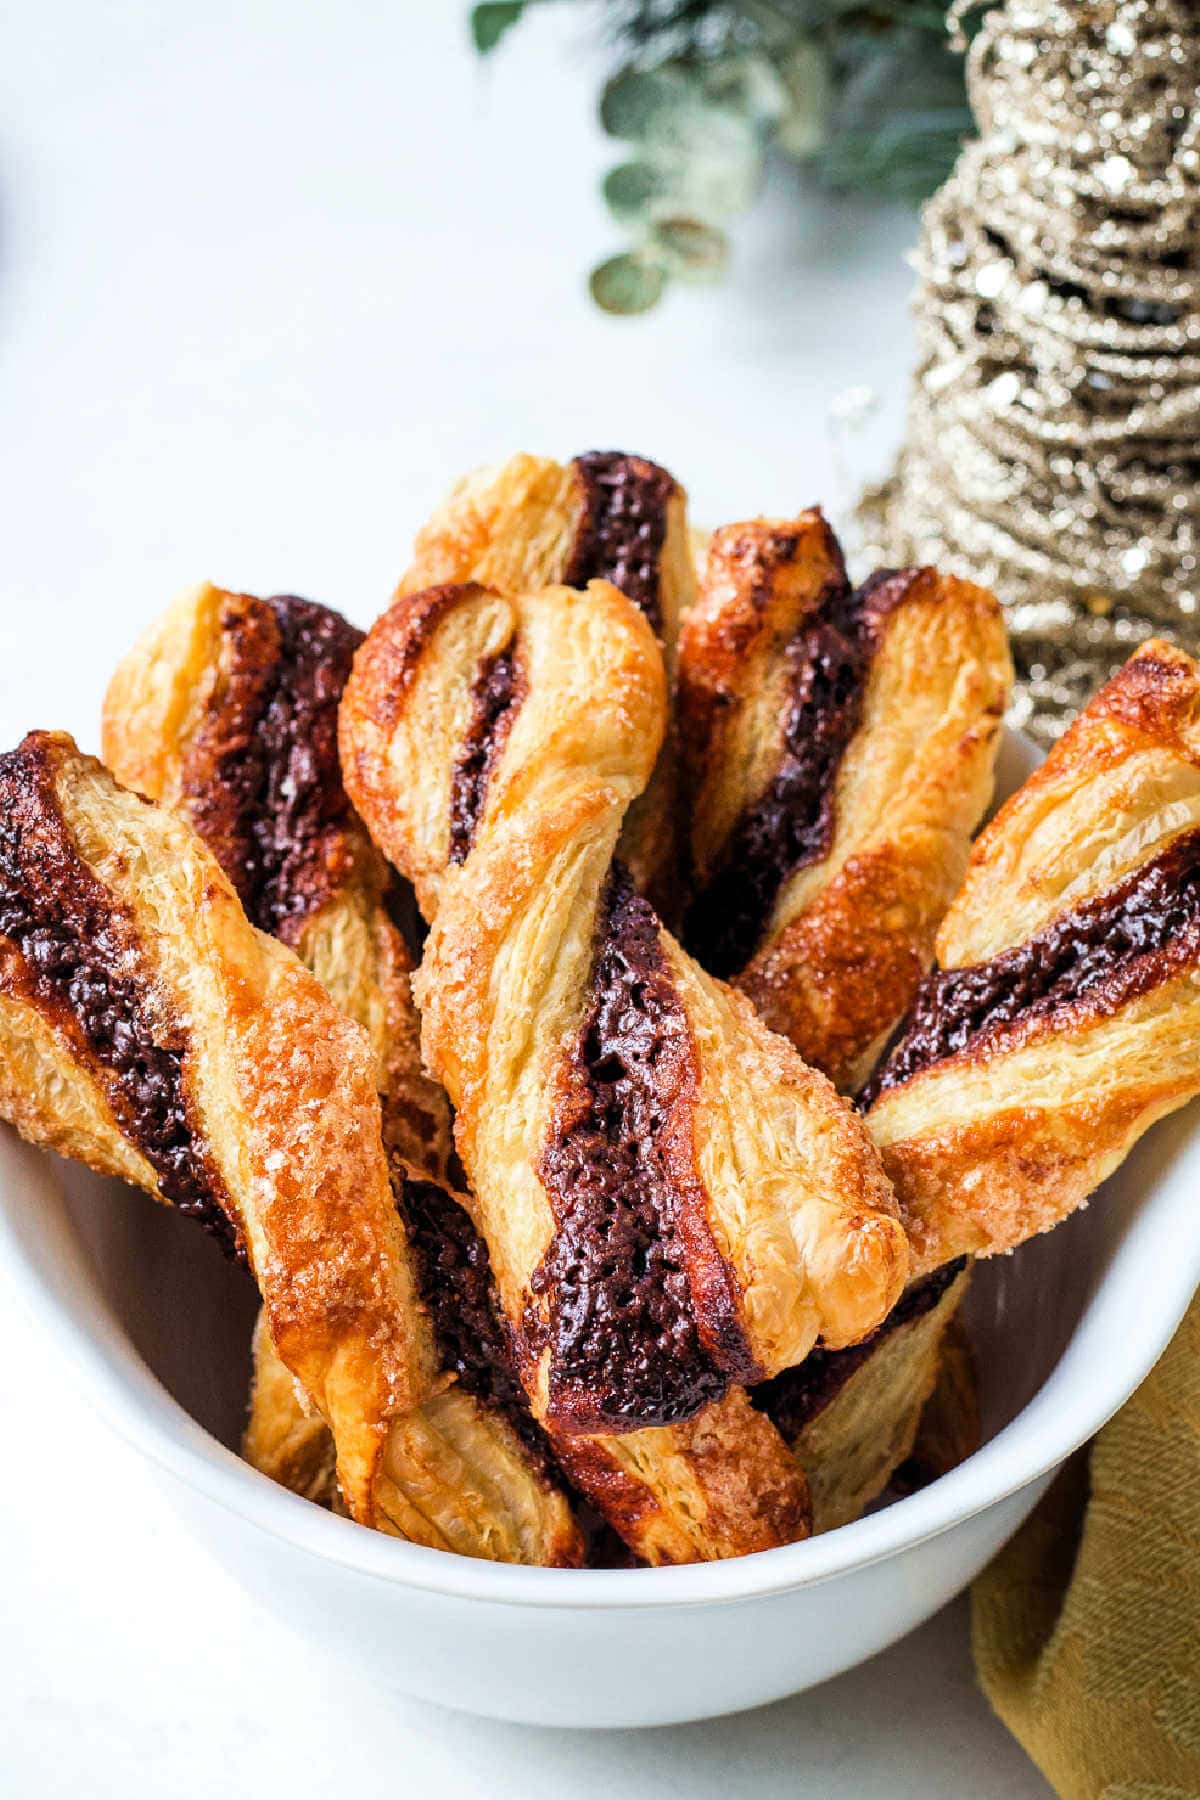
(791, 824)
(626, 1340)
(84, 969)
(497, 694)
(624, 525)
(790, 1400)
(473, 1336)
(1104, 954)
(474, 1340)
(261, 781)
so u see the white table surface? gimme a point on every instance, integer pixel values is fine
(271, 274)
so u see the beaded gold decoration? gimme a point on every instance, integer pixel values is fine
(1053, 443)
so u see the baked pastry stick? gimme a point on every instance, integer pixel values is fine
(673, 1202)
(286, 1441)
(838, 747)
(531, 523)
(1064, 1018)
(227, 711)
(147, 1030)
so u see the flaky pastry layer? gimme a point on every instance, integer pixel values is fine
(838, 748)
(227, 710)
(532, 523)
(531, 938)
(147, 1029)
(853, 1418)
(673, 1202)
(1065, 1015)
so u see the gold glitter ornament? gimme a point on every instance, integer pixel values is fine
(1053, 444)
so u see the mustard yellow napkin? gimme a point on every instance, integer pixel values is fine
(1086, 1628)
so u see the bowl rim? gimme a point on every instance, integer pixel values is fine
(1154, 1248)
(49, 1270)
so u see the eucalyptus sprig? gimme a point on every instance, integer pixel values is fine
(866, 97)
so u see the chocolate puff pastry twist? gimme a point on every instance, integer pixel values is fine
(838, 746)
(148, 1030)
(227, 710)
(673, 1202)
(1064, 1017)
(532, 523)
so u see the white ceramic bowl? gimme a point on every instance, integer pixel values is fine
(155, 1325)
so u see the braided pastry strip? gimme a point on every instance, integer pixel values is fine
(148, 1030)
(532, 523)
(838, 748)
(227, 711)
(784, 1224)
(1065, 1016)
(763, 1220)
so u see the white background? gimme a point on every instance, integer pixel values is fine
(271, 274)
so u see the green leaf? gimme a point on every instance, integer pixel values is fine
(627, 284)
(691, 249)
(634, 98)
(491, 20)
(668, 111)
(631, 189)
(660, 184)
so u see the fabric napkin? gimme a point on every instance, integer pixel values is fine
(1086, 1628)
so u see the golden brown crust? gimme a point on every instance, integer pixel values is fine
(720, 1484)
(406, 798)
(1009, 1125)
(837, 977)
(179, 715)
(759, 583)
(533, 523)
(853, 899)
(1122, 782)
(781, 1160)
(203, 1046)
(252, 761)
(285, 1437)
(519, 934)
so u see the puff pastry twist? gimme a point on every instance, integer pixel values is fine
(853, 1417)
(672, 1201)
(838, 747)
(532, 523)
(227, 710)
(148, 1030)
(1064, 1018)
